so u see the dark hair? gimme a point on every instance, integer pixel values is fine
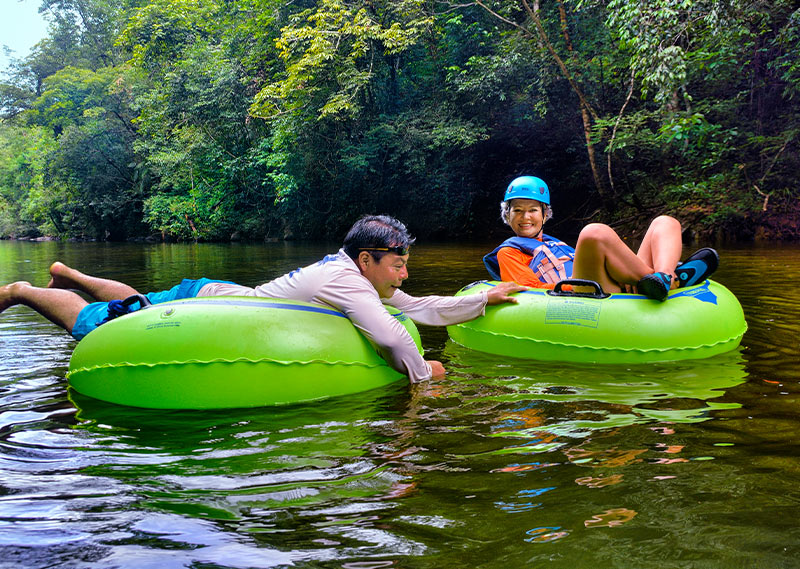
(378, 231)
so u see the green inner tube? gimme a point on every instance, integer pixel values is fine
(228, 352)
(694, 322)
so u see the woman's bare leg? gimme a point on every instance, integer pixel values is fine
(602, 256)
(661, 246)
(59, 306)
(64, 277)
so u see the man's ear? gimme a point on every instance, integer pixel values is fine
(364, 259)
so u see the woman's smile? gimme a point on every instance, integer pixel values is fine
(526, 218)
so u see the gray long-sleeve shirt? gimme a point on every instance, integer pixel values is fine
(336, 281)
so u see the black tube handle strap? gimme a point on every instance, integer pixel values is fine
(598, 291)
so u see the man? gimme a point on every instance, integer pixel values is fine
(366, 273)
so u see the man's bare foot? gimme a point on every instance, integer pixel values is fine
(61, 276)
(10, 293)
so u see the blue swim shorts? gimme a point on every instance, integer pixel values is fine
(95, 313)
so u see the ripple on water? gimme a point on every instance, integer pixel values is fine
(503, 462)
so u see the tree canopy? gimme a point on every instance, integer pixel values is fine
(207, 119)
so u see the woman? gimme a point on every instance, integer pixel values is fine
(532, 258)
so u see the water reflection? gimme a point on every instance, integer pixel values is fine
(241, 441)
(765, 283)
(572, 447)
(604, 396)
(255, 470)
(502, 463)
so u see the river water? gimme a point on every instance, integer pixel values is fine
(504, 463)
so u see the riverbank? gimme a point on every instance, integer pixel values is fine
(774, 226)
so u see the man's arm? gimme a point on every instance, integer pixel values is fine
(363, 307)
(439, 310)
(448, 310)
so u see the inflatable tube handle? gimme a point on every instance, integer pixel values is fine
(597, 293)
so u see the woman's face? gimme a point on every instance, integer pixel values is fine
(526, 217)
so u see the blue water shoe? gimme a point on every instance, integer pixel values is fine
(698, 267)
(655, 285)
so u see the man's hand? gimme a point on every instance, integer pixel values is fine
(437, 369)
(500, 293)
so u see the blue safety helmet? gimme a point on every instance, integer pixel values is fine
(528, 188)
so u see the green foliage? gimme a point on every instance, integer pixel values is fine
(202, 215)
(667, 41)
(331, 52)
(201, 119)
(157, 32)
(787, 63)
(22, 180)
(71, 96)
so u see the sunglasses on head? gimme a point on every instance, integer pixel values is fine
(399, 250)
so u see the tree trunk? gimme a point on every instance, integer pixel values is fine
(587, 112)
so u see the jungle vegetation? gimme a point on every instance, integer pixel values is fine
(207, 119)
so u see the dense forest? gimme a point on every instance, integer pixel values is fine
(275, 119)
